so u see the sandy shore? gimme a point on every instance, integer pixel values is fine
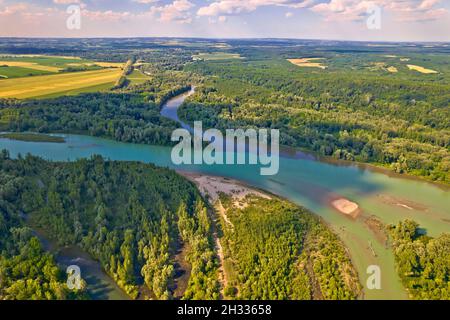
(212, 186)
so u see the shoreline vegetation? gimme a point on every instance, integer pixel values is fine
(32, 137)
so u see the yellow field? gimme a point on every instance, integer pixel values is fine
(37, 86)
(306, 62)
(109, 64)
(421, 69)
(37, 56)
(392, 69)
(29, 65)
(99, 64)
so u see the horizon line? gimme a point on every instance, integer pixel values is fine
(225, 38)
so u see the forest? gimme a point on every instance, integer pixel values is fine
(27, 272)
(276, 250)
(131, 217)
(423, 262)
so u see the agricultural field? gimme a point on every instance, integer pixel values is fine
(137, 77)
(50, 85)
(216, 56)
(18, 66)
(421, 69)
(308, 62)
(8, 71)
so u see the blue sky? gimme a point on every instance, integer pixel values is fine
(399, 20)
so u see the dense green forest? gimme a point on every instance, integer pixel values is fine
(276, 250)
(26, 271)
(130, 216)
(134, 218)
(423, 262)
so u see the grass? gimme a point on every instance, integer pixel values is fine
(19, 72)
(216, 56)
(14, 66)
(32, 137)
(39, 86)
(29, 65)
(137, 77)
(72, 92)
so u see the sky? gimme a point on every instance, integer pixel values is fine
(362, 20)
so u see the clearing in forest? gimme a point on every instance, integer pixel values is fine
(392, 69)
(216, 56)
(421, 69)
(308, 62)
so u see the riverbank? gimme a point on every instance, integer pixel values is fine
(32, 137)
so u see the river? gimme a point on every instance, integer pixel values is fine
(304, 181)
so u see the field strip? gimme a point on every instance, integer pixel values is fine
(421, 69)
(44, 85)
(29, 65)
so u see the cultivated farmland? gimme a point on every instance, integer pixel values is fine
(40, 86)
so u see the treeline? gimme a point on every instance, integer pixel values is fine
(127, 70)
(276, 250)
(119, 116)
(398, 123)
(130, 216)
(164, 84)
(422, 262)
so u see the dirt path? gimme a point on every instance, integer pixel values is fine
(223, 213)
(211, 188)
(222, 274)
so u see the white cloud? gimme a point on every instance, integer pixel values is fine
(401, 10)
(289, 15)
(234, 7)
(176, 11)
(67, 1)
(106, 15)
(13, 9)
(146, 1)
(335, 10)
